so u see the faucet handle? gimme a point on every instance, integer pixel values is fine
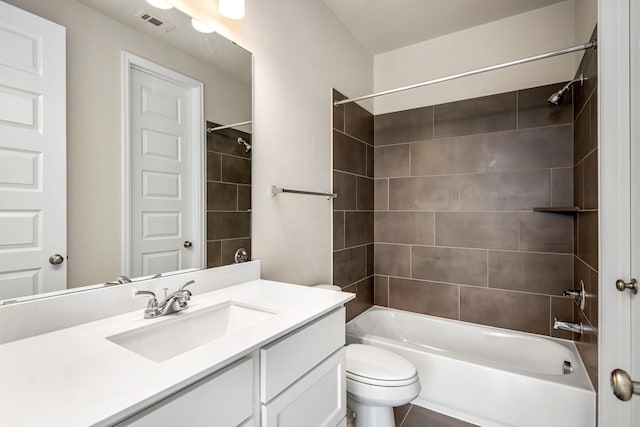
(152, 309)
(189, 283)
(153, 302)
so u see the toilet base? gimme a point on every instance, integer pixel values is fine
(371, 416)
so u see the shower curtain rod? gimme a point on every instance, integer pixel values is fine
(473, 72)
(209, 130)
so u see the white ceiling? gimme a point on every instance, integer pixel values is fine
(383, 25)
(212, 48)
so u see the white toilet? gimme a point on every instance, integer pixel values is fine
(378, 380)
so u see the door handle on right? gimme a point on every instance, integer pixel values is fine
(56, 259)
(623, 386)
(622, 286)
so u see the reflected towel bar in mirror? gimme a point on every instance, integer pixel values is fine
(277, 190)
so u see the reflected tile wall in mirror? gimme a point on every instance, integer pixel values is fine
(228, 195)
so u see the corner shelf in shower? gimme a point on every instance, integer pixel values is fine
(565, 210)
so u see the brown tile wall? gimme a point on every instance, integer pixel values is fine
(455, 235)
(453, 191)
(353, 209)
(585, 173)
(228, 200)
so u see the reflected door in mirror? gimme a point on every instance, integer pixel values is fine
(32, 154)
(166, 129)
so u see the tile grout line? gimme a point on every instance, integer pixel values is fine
(352, 174)
(227, 239)
(435, 239)
(411, 261)
(405, 416)
(353, 137)
(550, 315)
(388, 194)
(237, 198)
(487, 286)
(433, 122)
(517, 110)
(344, 230)
(470, 135)
(511, 251)
(466, 285)
(459, 303)
(517, 232)
(463, 174)
(388, 293)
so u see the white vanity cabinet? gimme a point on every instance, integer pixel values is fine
(302, 376)
(285, 369)
(223, 399)
(299, 381)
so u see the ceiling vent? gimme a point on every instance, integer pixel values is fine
(155, 21)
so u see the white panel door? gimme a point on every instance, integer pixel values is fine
(634, 332)
(32, 154)
(163, 192)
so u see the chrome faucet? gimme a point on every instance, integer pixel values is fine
(177, 301)
(120, 280)
(578, 328)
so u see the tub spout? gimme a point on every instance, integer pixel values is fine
(578, 328)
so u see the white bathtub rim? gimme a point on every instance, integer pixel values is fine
(579, 378)
(569, 381)
(567, 343)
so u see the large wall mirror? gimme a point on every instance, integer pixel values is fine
(125, 145)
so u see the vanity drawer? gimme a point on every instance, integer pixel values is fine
(224, 399)
(318, 399)
(289, 358)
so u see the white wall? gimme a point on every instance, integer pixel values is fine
(527, 34)
(301, 51)
(94, 45)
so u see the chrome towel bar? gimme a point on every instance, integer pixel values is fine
(277, 190)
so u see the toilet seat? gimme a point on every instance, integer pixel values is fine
(381, 383)
(376, 366)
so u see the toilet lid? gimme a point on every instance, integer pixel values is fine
(365, 362)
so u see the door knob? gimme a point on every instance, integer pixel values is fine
(187, 244)
(623, 386)
(622, 286)
(56, 259)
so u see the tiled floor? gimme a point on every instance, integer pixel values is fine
(415, 416)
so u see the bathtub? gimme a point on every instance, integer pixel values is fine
(484, 375)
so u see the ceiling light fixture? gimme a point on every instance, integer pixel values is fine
(232, 9)
(160, 4)
(199, 26)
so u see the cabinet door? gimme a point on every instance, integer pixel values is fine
(318, 399)
(291, 357)
(224, 399)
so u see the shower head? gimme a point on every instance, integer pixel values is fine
(247, 146)
(556, 97)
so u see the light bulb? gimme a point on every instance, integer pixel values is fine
(232, 9)
(199, 26)
(160, 4)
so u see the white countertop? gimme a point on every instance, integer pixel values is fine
(76, 377)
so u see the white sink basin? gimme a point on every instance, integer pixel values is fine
(185, 331)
